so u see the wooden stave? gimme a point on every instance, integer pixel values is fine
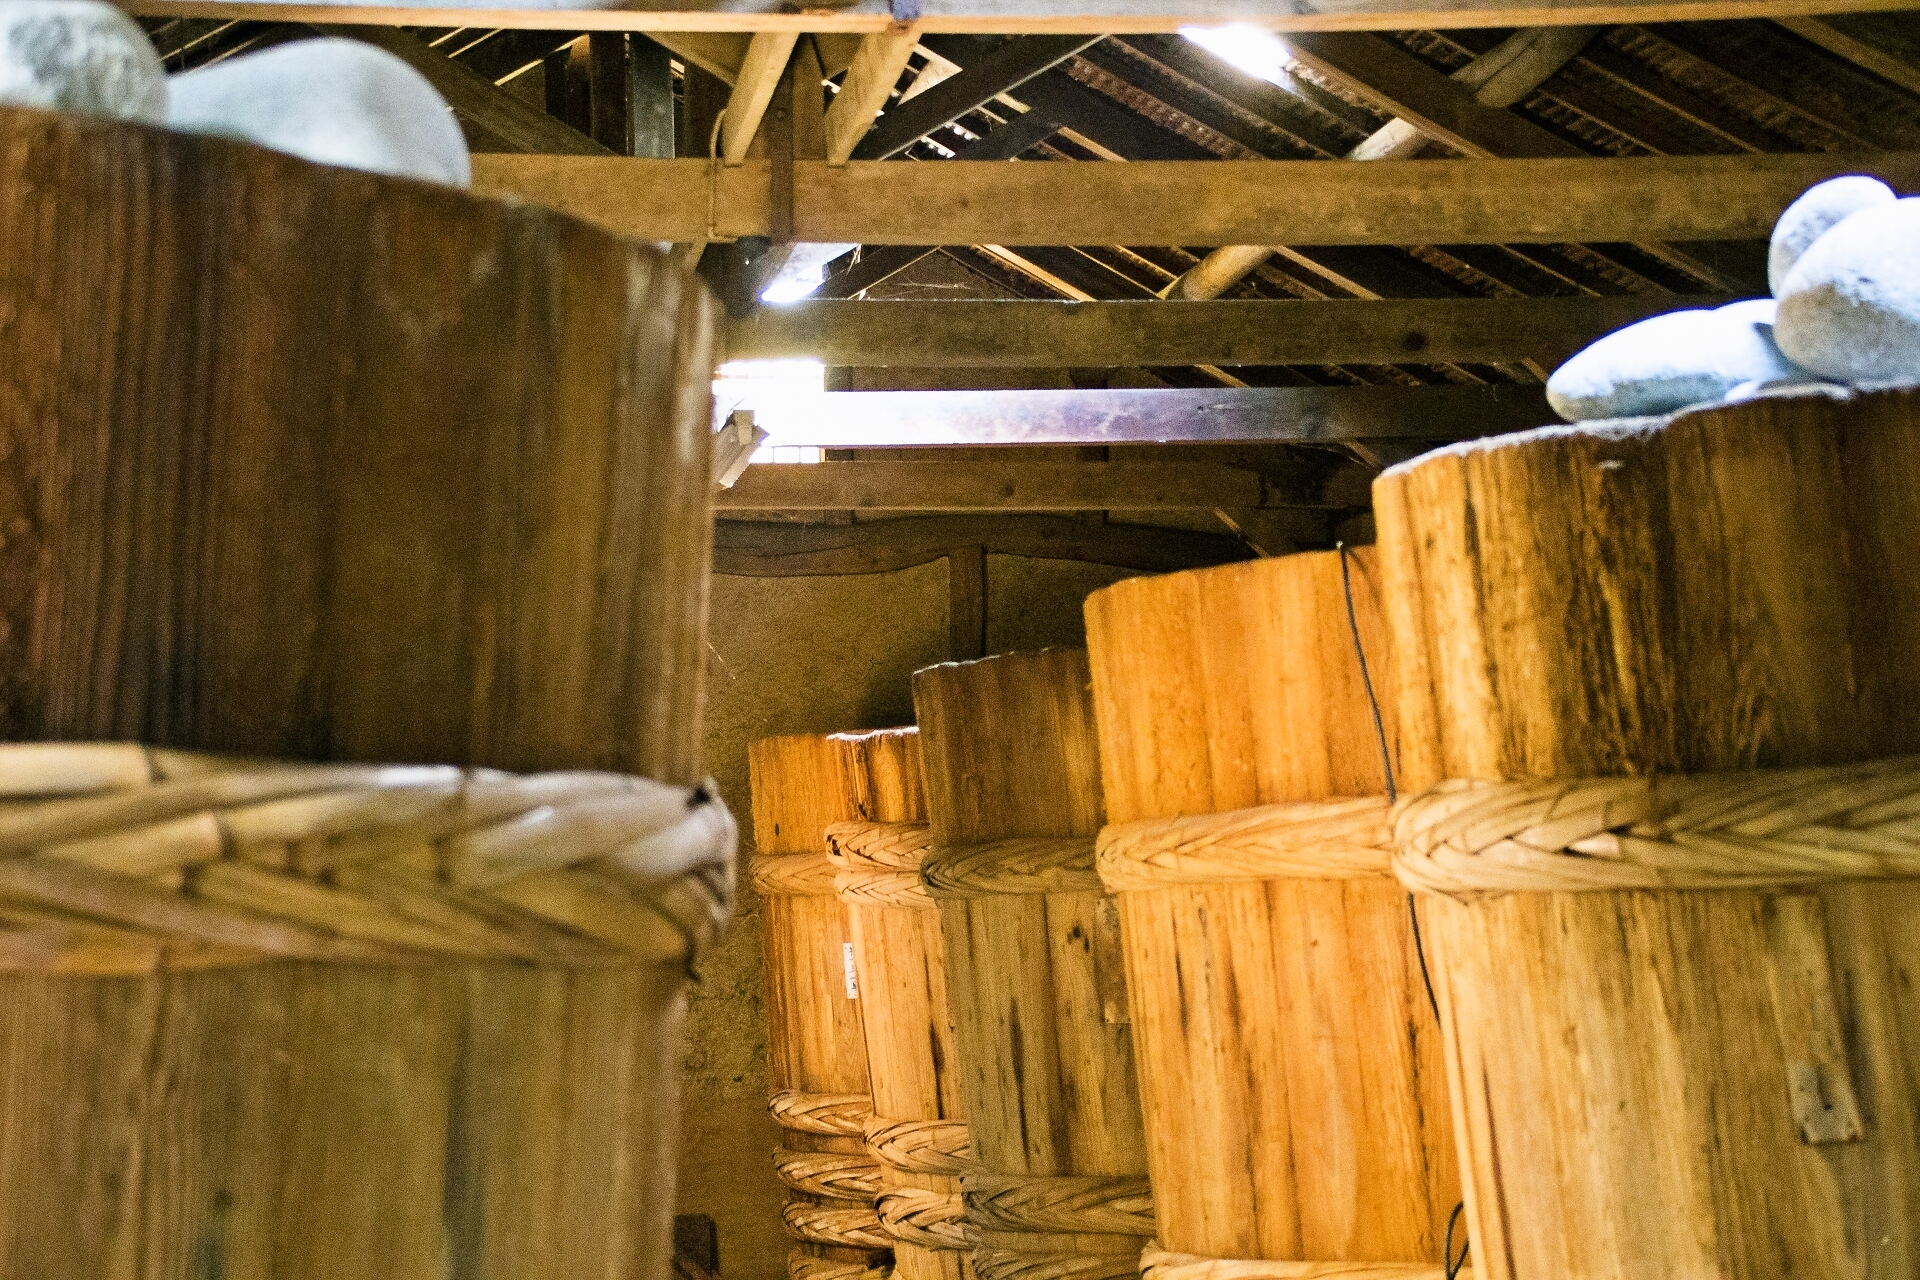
(253, 365)
(1002, 946)
(1235, 724)
(1738, 501)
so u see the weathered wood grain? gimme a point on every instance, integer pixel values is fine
(437, 494)
(1290, 1066)
(1725, 589)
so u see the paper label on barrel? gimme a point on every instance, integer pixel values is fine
(853, 982)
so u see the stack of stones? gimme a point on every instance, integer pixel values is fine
(338, 102)
(1844, 267)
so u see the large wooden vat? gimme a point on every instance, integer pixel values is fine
(309, 464)
(816, 1046)
(1290, 1065)
(918, 1133)
(1683, 1029)
(1034, 973)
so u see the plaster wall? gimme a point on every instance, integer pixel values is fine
(813, 655)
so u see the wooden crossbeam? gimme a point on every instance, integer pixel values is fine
(1054, 335)
(1291, 202)
(1007, 67)
(757, 78)
(884, 419)
(1038, 17)
(876, 68)
(997, 486)
(776, 549)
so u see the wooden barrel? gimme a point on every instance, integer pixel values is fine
(1035, 977)
(1674, 922)
(1290, 1065)
(918, 1132)
(315, 465)
(816, 1046)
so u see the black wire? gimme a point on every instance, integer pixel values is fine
(1454, 1267)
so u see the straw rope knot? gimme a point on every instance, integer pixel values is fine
(930, 1219)
(1036, 864)
(1333, 839)
(1753, 829)
(1009, 1264)
(792, 875)
(842, 1115)
(853, 1228)
(1158, 1264)
(120, 859)
(901, 846)
(1008, 1202)
(921, 1146)
(836, 1175)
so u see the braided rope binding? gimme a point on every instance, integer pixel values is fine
(1010, 1264)
(1335, 839)
(1076, 1205)
(792, 875)
(835, 1175)
(1754, 829)
(854, 1228)
(120, 859)
(930, 1219)
(1157, 1264)
(921, 1146)
(842, 1115)
(899, 846)
(806, 1266)
(1034, 864)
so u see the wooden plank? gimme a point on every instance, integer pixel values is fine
(967, 603)
(472, 96)
(758, 77)
(994, 486)
(1024, 17)
(1050, 335)
(1858, 42)
(876, 69)
(883, 419)
(781, 549)
(1006, 67)
(1291, 202)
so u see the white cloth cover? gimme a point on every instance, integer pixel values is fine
(1850, 308)
(1669, 362)
(80, 56)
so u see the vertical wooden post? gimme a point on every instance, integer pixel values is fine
(650, 106)
(609, 75)
(967, 603)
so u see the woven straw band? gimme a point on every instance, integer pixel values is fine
(930, 1219)
(840, 1115)
(1157, 1264)
(119, 859)
(1079, 1206)
(805, 1266)
(1039, 864)
(1048, 1264)
(900, 846)
(854, 1228)
(921, 1146)
(1753, 829)
(1335, 839)
(836, 1175)
(792, 875)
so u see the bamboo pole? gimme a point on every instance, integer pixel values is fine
(1700, 1081)
(1290, 1066)
(312, 464)
(1034, 974)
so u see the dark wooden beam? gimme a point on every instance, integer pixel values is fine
(967, 603)
(1009, 485)
(472, 96)
(1048, 335)
(1031, 17)
(978, 83)
(778, 549)
(1306, 202)
(1286, 415)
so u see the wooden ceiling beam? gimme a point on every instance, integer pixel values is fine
(516, 123)
(1001, 486)
(1280, 415)
(778, 549)
(1005, 68)
(1034, 17)
(876, 68)
(1050, 335)
(759, 75)
(1305, 202)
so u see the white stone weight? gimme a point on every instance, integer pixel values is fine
(332, 101)
(1669, 362)
(1850, 308)
(1819, 208)
(80, 56)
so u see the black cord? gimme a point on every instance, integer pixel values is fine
(1454, 1266)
